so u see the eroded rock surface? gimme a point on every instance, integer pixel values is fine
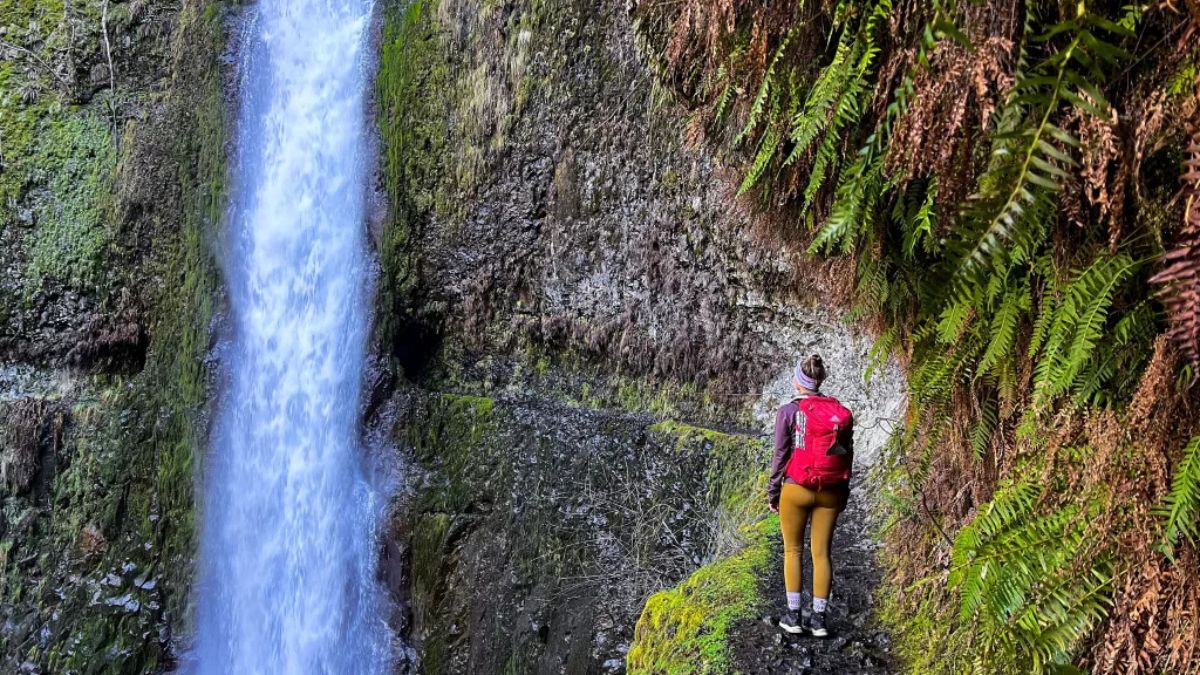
(538, 530)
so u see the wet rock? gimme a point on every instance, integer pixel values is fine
(125, 602)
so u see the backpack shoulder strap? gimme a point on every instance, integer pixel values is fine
(799, 426)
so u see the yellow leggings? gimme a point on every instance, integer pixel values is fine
(796, 505)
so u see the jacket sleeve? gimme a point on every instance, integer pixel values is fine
(783, 452)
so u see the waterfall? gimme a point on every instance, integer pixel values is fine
(288, 540)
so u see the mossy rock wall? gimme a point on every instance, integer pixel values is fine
(687, 629)
(112, 192)
(539, 530)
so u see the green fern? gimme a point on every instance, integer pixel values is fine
(881, 351)
(822, 98)
(762, 159)
(1015, 568)
(921, 226)
(1124, 349)
(861, 186)
(1181, 507)
(1041, 325)
(854, 206)
(1005, 322)
(985, 426)
(759, 105)
(1078, 325)
(1015, 202)
(833, 116)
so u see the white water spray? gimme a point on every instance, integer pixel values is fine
(287, 562)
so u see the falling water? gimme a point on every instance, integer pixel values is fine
(287, 563)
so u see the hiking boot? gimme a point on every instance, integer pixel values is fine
(791, 622)
(816, 624)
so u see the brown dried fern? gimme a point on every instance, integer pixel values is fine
(1180, 277)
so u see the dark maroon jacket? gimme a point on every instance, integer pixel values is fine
(784, 419)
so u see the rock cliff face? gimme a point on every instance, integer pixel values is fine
(560, 272)
(542, 196)
(111, 186)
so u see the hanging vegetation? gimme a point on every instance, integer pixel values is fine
(1005, 178)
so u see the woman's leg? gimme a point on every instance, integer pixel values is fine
(824, 520)
(794, 505)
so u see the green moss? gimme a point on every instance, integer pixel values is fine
(923, 623)
(57, 168)
(46, 145)
(453, 439)
(578, 380)
(411, 91)
(75, 160)
(18, 128)
(685, 630)
(429, 541)
(734, 475)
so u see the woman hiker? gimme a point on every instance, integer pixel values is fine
(810, 482)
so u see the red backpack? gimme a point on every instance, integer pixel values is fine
(823, 439)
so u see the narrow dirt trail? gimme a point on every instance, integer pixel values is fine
(856, 644)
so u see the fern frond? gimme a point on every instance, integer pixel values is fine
(919, 229)
(1005, 321)
(809, 123)
(1181, 507)
(762, 159)
(954, 319)
(985, 426)
(836, 103)
(764, 90)
(853, 213)
(1078, 325)
(1015, 201)
(881, 351)
(1015, 567)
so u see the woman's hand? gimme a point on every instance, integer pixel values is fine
(773, 505)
